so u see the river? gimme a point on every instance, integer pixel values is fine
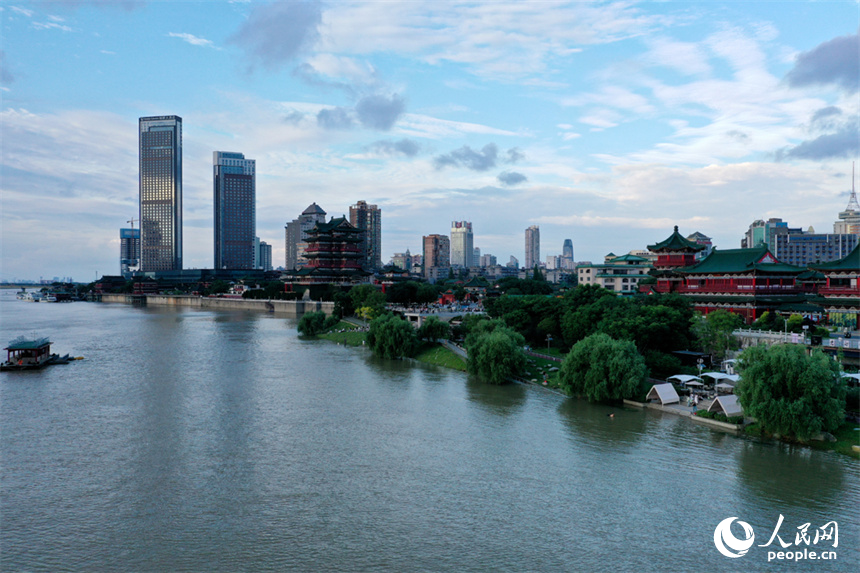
(191, 440)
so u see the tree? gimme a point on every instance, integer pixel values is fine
(311, 323)
(537, 275)
(390, 336)
(218, 286)
(714, 332)
(367, 296)
(603, 369)
(434, 329)
(789, 392)
(496, 356)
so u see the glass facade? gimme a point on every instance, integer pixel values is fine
(160, 193)
(235, 210)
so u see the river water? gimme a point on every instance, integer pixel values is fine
(192, 440)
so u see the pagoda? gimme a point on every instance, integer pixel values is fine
(673, 253)
(333, 253)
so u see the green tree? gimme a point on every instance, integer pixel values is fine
(714, 332)
(603, 369)
(789, 392)
(434, 329)
(367, 296)
(217, 287)
(495, 356)
(311, 323)
(794, 323)
(537, 275)
(390, 336)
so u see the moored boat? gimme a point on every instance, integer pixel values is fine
(31, 353)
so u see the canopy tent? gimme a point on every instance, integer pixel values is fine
(665, 393)
(723, 387)
(732, 378)
(692, 383)
(717, 375)
(727, 405)
(683, 378)
(853, 379)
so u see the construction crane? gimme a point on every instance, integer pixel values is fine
(132, 220)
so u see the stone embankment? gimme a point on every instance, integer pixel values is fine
(288, 308)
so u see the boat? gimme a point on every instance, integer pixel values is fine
(21, 294)
(49, 298)
(31, 353)
(32, 296)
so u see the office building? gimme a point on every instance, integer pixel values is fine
(437, 257)
(462, 247)
(488, 260)
(567, 255)
(129, 251)
(264, 255)
(513, 263)
(160, 140)
(402, 260)
(296, 234)
(532, 246)
(235, 210)
(803, 249)
(368, 218)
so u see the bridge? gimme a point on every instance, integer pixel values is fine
(850, 347)
(417, 316)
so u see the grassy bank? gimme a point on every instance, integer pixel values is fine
(440, 356)
(847, 435)
(345, 333)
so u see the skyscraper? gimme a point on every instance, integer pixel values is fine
(462, 244)
(234, 179)
(368, 218)
(129, 251)
(437, 252)
(532, 246)
(296, 234)
(160, 193)
(567, 255)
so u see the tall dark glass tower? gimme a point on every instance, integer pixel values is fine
(235, 210)
(161, 193)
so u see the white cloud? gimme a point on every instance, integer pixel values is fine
(192, 39)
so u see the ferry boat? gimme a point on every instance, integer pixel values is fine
(31, 353)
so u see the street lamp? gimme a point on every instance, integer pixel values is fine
(548, 340)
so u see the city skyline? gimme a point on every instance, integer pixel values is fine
(607, 123)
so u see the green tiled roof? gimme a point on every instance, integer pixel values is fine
(339, 223)
(851, 262)
(741, 261)
(630, 258)
(22, 343)
(676, 242)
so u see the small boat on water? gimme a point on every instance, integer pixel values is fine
(31, 353)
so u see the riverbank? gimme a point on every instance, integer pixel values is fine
(288, 308)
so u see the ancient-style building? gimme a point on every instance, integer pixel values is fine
(840, 296)
(672, 254)
(333, 253)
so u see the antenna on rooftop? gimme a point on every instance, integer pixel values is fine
(852, 202)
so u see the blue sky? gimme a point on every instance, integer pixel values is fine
(603, 122)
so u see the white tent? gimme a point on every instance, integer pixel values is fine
(727, 405)
(693, 383)
(683, 378)
(853, 379)
(723, 387)
(732, 379)
(665, 393)
(718, 375)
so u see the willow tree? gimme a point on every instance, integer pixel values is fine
(790, 392)
(603, 369)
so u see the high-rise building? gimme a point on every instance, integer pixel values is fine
(476, 257)
(532, 246)
(235, 197)
(296, 235)
(437, 256)
(368, 218)
(129, 251)
(462, 244)
(402, 261)
(160, 193)
(802, 249)
(513, 263)
(567, 255)
(488, 260)
(264, 255)
(849, 219)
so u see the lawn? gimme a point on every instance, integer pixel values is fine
(440, 356)
(351, 335)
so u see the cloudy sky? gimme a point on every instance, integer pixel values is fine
(603, 122)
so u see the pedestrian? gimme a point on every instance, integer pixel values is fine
(695, 403)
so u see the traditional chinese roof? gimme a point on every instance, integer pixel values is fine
(336, 224)
(628, 258)
(477, 282)
(851, 262)
(676, 242)
(758, 259)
